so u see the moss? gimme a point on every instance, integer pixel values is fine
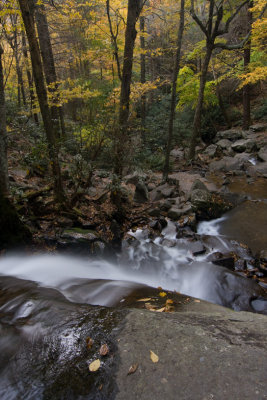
(80, 231)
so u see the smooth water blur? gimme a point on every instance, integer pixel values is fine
(165, 262)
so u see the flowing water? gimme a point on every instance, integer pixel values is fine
(165, 261)
(47, 312)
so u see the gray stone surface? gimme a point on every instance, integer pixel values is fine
(205, 352)
(211, 150)
(231, 134)
(141, 193)
(263, 154)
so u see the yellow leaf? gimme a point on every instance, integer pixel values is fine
(94, 366)
(169, 301)
(161, 309)
(162, 294)
(146, 299)
(154, 357)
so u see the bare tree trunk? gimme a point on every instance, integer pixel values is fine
(199, 107)
(4, 184)
(143, 72)
(29, 78)
(49, 67)
(173, 96)
(134, 10)
(27, 15)
(246, 88)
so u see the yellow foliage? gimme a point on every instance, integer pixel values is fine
(258, 74)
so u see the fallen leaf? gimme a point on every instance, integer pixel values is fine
(147, 299)
(104, 350)
(94, 366)
(150, 307)
(132, 369)
(197, 301)
(89, 342)
(162, 294)
(161, 309)
(169, 301)
(154, 357)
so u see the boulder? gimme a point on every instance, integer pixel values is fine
(175, 213)
(211, 151)
(141, 193)
(258, 127)
(244, 145)
(224, 144)
(163, 191)
(135, 178)
(78, 241)
(207, 205)
(227, 164)
(177, 154)
(262, 154)
(258, 169)
(231, 134)
(198, 184)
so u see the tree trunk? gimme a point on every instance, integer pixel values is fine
(134, 10)
(143, 72)
(49, 67)
(199, 107)
(29, 77)
(173, 95)
(246, 88)
(27, 15)
(4, 184)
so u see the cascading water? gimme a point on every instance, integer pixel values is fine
(164, 261)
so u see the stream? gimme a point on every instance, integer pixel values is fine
(50, 303)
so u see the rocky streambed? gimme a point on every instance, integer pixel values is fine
(58, 310)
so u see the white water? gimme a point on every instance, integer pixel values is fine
(105, 283)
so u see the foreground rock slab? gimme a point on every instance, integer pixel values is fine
(205, 352)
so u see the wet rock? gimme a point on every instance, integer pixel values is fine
(197, 248)
(230, 134)
(77, 240)
(185, 232)
(207, 205)
(225, 261)
(158, 224)
(241, 265)
(141, 193)
(168, 243)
